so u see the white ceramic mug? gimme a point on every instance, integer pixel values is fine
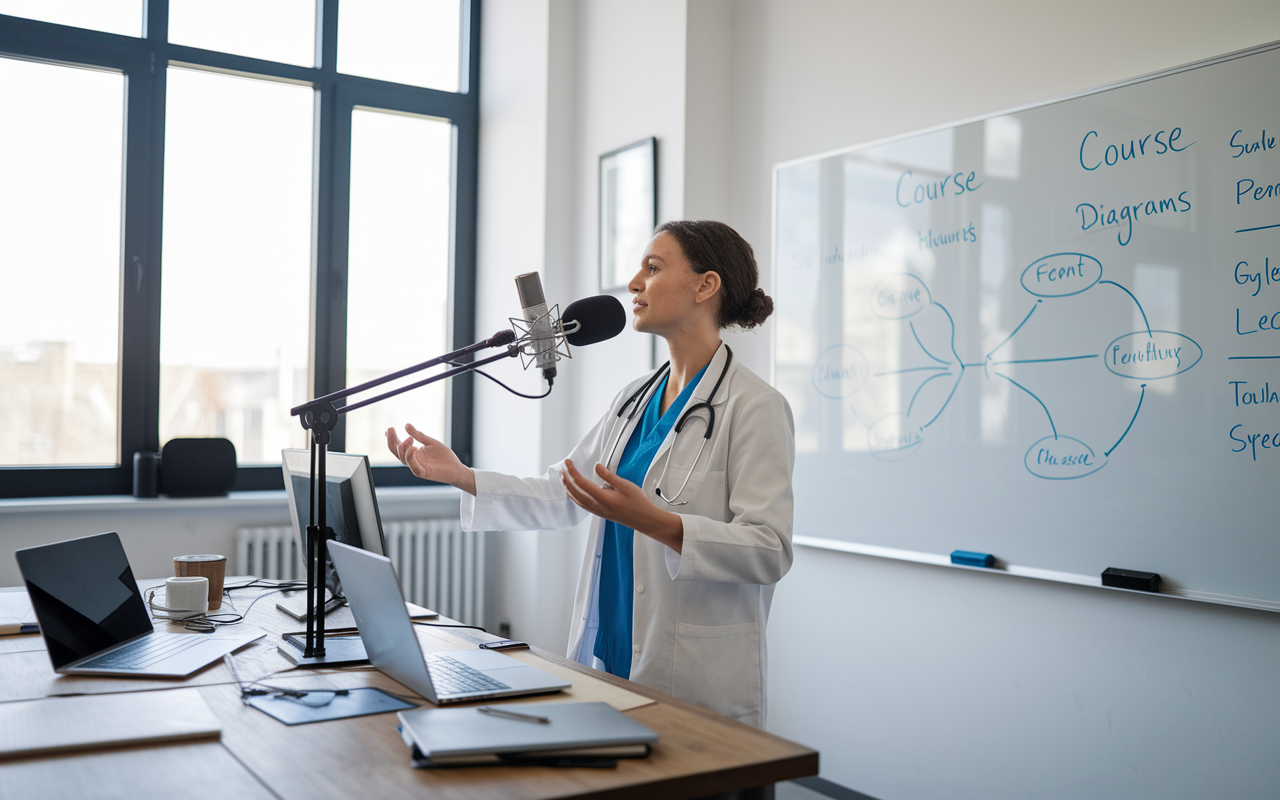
(189, 594)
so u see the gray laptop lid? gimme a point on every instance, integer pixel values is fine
(370, 584)
(369, 581)
(84, 596)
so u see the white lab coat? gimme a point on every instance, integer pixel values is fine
(698, 617)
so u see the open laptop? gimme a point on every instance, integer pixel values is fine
(95, 622)
(455, 676)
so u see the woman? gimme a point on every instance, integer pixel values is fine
(682, 607)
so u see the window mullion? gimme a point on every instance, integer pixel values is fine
(140, 275)
(332, 237)
(466, 211)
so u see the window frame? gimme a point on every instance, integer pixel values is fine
(144, 61)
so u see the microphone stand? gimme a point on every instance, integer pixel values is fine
(319, 417)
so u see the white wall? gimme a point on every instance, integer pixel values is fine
(919, 682)
(561, 83)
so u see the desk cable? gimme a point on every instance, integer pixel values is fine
(257, 688)
(208, 623)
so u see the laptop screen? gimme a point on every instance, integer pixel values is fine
(84, 596)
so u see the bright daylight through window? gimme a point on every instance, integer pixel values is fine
(59, 264)
(205, 214)
(237, 261)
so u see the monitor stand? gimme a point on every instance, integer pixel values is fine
(296, 606)
(342, 647)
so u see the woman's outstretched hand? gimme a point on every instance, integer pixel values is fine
(623, 502)
(430, 459)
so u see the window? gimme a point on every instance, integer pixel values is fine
(201, 219)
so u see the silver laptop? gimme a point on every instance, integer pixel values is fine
(94, 621)
(454, 676)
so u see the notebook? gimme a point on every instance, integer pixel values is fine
(453, 734)
(95, 622)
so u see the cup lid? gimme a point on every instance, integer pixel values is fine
(204, 557)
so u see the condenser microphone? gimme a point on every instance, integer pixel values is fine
(542, 331)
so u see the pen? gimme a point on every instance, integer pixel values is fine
(502, 712)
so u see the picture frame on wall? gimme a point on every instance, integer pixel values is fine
(628, 210)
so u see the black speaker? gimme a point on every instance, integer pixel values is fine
(197, 467)
(146, 473)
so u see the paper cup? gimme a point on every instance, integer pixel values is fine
(204, 566)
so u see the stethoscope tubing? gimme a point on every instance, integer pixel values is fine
(635, 405)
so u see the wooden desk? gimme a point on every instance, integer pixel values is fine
(698, 753)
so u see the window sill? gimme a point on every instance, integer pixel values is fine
(394, 502)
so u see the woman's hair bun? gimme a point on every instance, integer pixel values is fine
(756, 310)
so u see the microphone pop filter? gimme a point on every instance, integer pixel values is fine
(600, 317)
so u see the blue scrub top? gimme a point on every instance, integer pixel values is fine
(617, 571)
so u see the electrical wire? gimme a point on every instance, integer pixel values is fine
(208, 623)
(503, 385)
(442, 625)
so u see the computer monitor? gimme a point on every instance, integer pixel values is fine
(351, 509)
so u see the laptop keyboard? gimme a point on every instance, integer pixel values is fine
(146, 652)
(450, 676)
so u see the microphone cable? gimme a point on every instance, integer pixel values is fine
(503, 385)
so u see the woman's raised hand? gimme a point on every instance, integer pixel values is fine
(623, 502)
(430, 459)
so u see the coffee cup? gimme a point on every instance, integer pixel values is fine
(208, 566)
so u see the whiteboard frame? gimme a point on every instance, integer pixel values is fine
(944, 560)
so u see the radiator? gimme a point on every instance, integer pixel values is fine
(439, 565)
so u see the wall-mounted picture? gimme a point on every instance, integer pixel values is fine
(628, 210)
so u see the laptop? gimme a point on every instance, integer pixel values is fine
(454, 676)
(94, 620)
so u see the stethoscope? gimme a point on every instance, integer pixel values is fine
(634, 402)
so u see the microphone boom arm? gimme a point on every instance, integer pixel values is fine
(319, 417)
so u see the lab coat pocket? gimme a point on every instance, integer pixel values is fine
(718, 667)
(701, 493)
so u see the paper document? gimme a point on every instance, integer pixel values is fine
(16, 615)
(89, 722)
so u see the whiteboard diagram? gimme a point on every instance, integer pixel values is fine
(844, 373)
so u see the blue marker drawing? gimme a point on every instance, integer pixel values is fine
(911, 369)
(1135, 417)
(1063, 277)
(1043, 360)
(1260, 228)
(894, 436)
(857, 416)
(922, 347)
(912, 404)
(959, 361)
(1037, 399)
(1126, 291)
(1063, 459)
(1015, 330)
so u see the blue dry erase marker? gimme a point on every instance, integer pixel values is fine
(970, 559)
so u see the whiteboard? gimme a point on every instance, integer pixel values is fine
(1052, 335)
